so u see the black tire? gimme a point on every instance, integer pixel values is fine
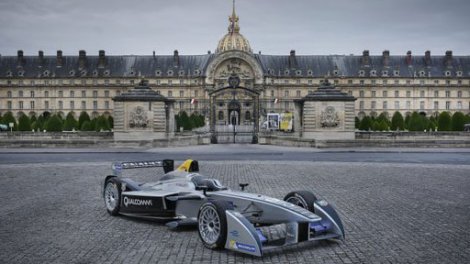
(112, 196)
(213, 231)
(304, 199)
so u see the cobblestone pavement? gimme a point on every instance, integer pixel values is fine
(393, 213)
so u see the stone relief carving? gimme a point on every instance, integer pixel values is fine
(138, 118)
(329, 117)
(234, 66)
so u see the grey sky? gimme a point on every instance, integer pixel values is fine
(313, 27)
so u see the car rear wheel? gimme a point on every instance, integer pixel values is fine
(304, 199)
(112, 196)
(212, 224)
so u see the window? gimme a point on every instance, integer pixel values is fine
(247, 115)
(361, 105)
(350, 93)
(181, 105)
(117, 81)
(95, 105)
(384, 94)
(408, 82)
(118, 93)
(181, 93)
(196, 93)
(397, 105)
(298, 93)
(83, 94)
(181, 82)
(170, 94)
(361, 82)
(350, 81)
(95, 82)
(447, 94)
(286, 93)
(106, 82)
(310, 82)
(61, 105)
(436, 105)
(20, 94)
(95, 94)
(384, 82)
(421, 105)
(221, 115)
(84, 105)
(72, 105)
(373, 105)
(396, 82)
(436, 93)
(61, 94)
(9, 94)
(31, 104)
(106, 104)
(9, 105)
(422, 94)
(131, 82)
(397, 94)
(408, 93)
(459, 94)
(46, 105)
(459, 105)
(32, 94)
(170, 82)
(421, 82)
(72, 94)
(374, 94)
(20, 103)
(408, 105)
(106, 94)
(361, 93)
(46, 94)
(447, 105)
(298, 82)
(385, 105)
(272, 93)
(286, 105)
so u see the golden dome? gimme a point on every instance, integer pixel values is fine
(233, 40)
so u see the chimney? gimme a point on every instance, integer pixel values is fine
(448, 58)
(365, 58)
(101, 59)
(20, 60)
(59, 59)
(292, 60)
(176, 58)
(408, 58)
(81, 59)
(41, 58)
(427, 58)
(386, 58)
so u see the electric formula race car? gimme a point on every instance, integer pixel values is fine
(235, 220)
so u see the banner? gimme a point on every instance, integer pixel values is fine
(286, 122)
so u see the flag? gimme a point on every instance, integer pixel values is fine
(276, 101)
(193, 101)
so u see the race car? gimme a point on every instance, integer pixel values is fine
(235, 220)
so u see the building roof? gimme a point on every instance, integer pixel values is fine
(195, 65)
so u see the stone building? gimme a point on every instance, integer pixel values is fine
(266, 83)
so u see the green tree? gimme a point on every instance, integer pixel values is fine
(185, 122)
(54, 124)
(9, 118)
(417, 122)
(397, 122)
(444, 122)
(83, 118)
(24, 124)
(102, 123)
(365, 124)
(87, 126)
(458, 121)
(111, 122)
(70, 122)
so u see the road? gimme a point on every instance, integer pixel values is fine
(238, 153)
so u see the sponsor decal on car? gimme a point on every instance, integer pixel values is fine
(241, 246)
(234, 233)
(140, 202)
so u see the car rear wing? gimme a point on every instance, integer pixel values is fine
(167, 164)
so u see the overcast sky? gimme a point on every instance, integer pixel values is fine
(311, 27)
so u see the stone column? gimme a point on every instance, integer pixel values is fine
(142, 114)
(328, 114)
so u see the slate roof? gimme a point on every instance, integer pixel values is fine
(272, 65)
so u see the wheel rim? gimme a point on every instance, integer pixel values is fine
(297, 201)
(111, 196)
(209, 225)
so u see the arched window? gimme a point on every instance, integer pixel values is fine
(247, 115)
(221, 115)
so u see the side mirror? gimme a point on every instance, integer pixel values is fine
(243, 185)
(203, 189)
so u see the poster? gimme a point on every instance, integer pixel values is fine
(286, 122)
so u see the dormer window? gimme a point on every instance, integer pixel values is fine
(310, 73)
(362, 73)
(169, 73)
(271, 71)
(9, 74)
(384, 73)
(335, 72)
(396, 73)
(107, 73)
(72, 73)
(298, 72)
(373, 73)
(20, 73)
(46, 73)
(181, 73)
(447, 73)
(286, 72)
(197, 72)
(422, 74)
(158, 73)
(95, 73)
(83, 73)
(459, 74)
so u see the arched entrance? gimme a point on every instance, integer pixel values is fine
(234, 127)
